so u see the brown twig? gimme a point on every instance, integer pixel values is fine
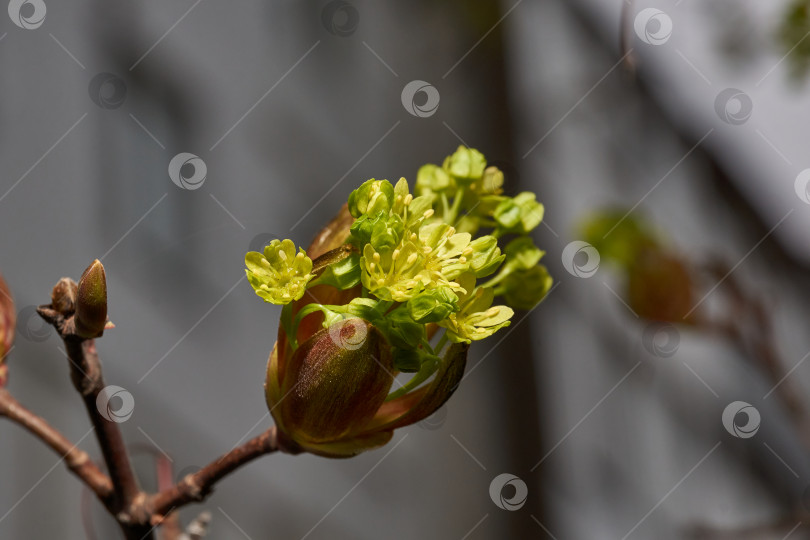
(197, 486)
(76, 460)
(750, 327)
(170, 528)
(137, 513)
(85, 370)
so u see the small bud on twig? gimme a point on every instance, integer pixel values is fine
(91, 302)
(63, 296)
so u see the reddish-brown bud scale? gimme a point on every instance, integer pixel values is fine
(8, 320)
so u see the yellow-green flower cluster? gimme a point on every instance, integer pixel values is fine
(417, 261)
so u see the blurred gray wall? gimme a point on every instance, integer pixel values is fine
(290, 105)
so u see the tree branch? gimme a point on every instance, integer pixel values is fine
(750, 327)
(77, 461)
(85, 372)
(196, 487)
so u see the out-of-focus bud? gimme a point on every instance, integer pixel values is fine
(660, 287)
(8, 322)
(433, 179)
(466, 165)
(524, 289)
(519, 214)
(91, 302)
(491, 183)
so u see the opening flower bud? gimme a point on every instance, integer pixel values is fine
(91, 301)
(387, 275)
(334, 383)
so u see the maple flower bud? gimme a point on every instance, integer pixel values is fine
(91, 301)
(8, 321)
(336, 381)
(366, 300)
